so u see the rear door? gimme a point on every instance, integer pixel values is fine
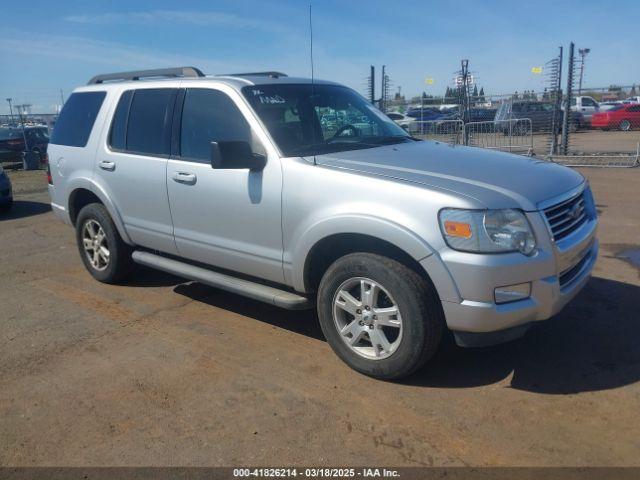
(132, 165)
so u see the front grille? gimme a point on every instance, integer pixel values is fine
(566, 217)
(570, 274)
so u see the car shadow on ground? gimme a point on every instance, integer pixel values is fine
(25, 208)
(303, 322)
(591, 345)
(149, 277)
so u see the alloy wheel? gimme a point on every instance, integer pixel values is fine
(94, 242)
(367, 318)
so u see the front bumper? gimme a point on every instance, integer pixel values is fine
(556, 273)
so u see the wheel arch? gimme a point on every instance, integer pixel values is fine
(326, 241)
(85, 192)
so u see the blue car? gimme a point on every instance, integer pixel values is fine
(6, 192)
(425, 114)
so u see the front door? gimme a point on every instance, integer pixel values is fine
(231, 218)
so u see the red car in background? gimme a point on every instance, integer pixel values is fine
(624, 117)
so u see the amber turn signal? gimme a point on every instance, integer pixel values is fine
(457, 229)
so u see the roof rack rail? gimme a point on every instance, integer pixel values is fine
(255, 74)
(138, 74)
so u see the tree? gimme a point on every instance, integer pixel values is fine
(482, 100)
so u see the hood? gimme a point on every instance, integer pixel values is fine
(494, 179)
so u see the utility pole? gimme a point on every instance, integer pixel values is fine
(10, 108)
(383, 96)
(61, 100)
(583, 53)
(372, 85)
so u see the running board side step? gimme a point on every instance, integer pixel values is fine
(257, 291)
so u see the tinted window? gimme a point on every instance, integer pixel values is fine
(118, 134)
(149, 121)
(306, 119)
(209, 116)
(77, 118)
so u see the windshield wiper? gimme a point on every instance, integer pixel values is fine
(323, 148)
(389, 139)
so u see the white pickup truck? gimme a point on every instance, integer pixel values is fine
(587, 106)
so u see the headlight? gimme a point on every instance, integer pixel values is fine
(487, 231)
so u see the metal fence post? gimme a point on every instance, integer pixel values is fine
(567, 102)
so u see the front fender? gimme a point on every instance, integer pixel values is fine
(376, 227)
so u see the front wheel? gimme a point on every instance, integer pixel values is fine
(379, 316)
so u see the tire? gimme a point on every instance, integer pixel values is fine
(625, 125)
(116, 264)
(420, 317)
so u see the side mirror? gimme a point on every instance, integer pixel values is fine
(235, 155)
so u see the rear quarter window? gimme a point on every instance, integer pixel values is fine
(76, 119)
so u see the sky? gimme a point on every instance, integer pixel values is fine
(47, 48)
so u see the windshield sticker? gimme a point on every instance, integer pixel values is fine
(271, 99)
(267, 99)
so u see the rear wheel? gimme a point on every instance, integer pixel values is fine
(625, 125)
(104, 254)
(379, 316)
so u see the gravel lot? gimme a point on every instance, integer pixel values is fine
(161, 372)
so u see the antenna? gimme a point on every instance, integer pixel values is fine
(313, 92)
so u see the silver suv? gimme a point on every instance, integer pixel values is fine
(235, 181)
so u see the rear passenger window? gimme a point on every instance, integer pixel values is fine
(118, 134)
(76, 119)
(209, 116)
(148, 127)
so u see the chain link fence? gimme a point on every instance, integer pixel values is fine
(595, 127)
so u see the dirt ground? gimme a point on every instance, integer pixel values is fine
(592, 142)
(162, 372)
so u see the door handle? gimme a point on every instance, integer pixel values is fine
(185, 177)
(109, 166)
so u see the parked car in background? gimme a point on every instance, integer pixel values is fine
(635, 99)
(12, 142)
(424, 114)
(475, 115)
(405, 121)
(540, 114)
(587, 106)
(623, 117)
(606, 106)
(6, 192)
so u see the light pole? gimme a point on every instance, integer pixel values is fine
(10, 108)
(583, 53)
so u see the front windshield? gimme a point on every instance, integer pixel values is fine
(306, 119)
